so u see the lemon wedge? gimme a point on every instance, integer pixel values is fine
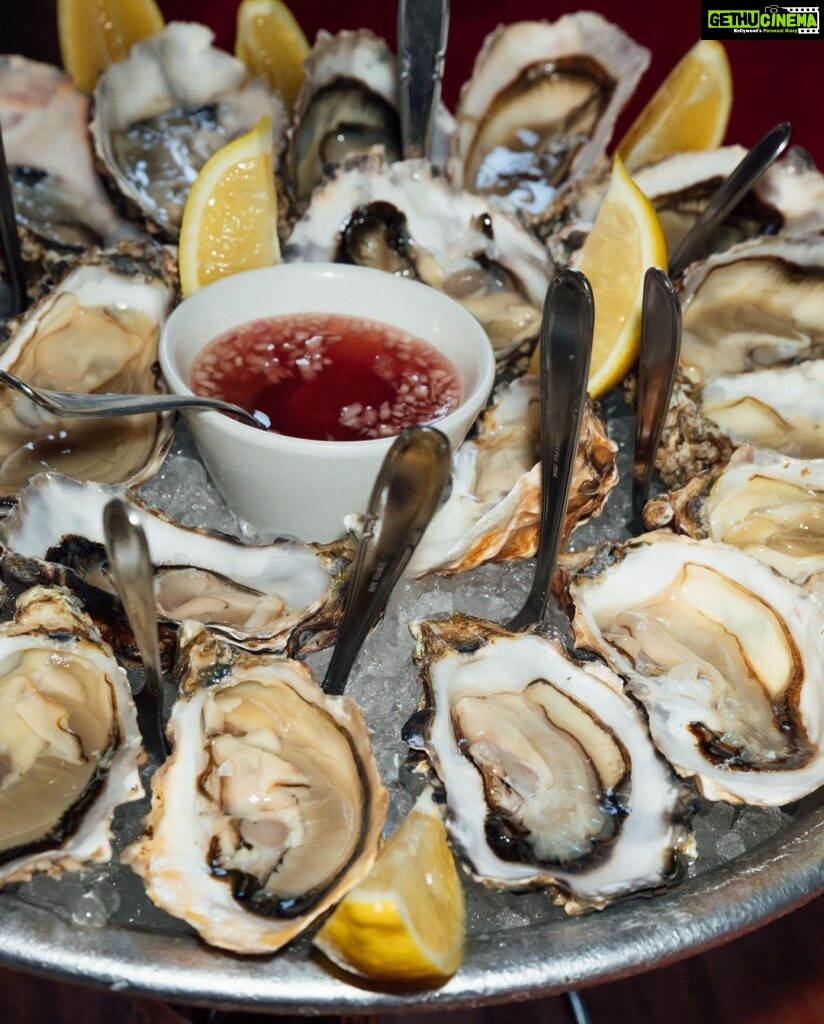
(689, 111)
(626, 239)
(96, 33)
(271, 43)
(230, 217)
(405, 921)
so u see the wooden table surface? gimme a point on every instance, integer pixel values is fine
(772, 976)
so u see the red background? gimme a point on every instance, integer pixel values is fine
(774, 80)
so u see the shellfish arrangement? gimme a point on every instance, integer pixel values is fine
(578, 768)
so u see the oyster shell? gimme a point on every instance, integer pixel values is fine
(270, 597)
(766, 504)
(406, 219)
(724, 654)
(757, 304)
(97, 330)
(69, 744)
(348, 103)
(57, 193)
(788, 200)
(781, 408)
(541, 105)
(161, 113)
(493, 509)
(549, 774)
(270, 807)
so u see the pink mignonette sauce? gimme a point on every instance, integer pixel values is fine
(329, 377)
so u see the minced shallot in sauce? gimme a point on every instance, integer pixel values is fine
(328, 376)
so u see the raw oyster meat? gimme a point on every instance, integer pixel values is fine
(271, 597)
(161, 113)
(750, 367)
(725, 655)
(541, 105)
(347, 104)
(493, 509)
(270, 807)
(57, 193)
(549, 773)
(97, 330)
(758, 304)
(406, 219)
(781, 408)
(766, 504)
(788, 200)
(69, 744)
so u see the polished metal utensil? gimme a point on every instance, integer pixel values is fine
(10, 239)
(566, 346)
(131, 565)
(657, 363)
(406, 493)
(764, 153)
(68, 403)
(422, 31)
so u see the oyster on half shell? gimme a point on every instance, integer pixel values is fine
(769, 505)
(541, 105)
(347, 104)
(494, 506)
(549, 774)
(58, 195)
(725, 655)
(406, 219)
(69, 743)
(96, 331)
(271, 597)
(164, 110)
(755, 305)
(270, 807)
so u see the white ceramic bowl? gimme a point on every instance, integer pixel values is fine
(292, 485)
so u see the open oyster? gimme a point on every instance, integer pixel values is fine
(725, 655)
(766, 504)
(494, 506)
(348, 104)
(269, 597)
(541, 105)
(549, 773)
(57, 193)
(406, 219)
(270, 807)
(781, 408)
(788, 200)
(750, 369)
(757, 304)
(97, 330)
(161, 113)
(69, 744)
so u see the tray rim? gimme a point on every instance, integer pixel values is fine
(775, 877)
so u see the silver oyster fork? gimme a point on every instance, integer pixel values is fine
(68, 403)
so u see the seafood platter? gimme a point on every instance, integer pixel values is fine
(669, 744)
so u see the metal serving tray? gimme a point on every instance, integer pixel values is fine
(518, 946)
(540, 959)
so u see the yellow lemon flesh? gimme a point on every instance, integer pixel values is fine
(405, 921)
(230, 217)
(96, 33)
(626, 239)
(690, 110)
(272, 44)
